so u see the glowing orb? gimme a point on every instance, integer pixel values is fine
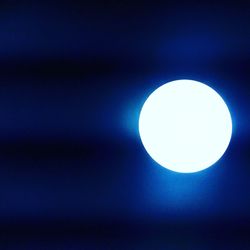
(185, 126)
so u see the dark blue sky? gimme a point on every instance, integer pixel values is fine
(73, 78)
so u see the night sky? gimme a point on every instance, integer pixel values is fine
(73, 78)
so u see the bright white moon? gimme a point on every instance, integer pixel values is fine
(185, 126)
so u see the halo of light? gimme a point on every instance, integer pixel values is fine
(185, 126)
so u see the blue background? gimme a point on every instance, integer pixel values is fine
(73, 172)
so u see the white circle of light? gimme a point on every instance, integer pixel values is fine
(185, 126)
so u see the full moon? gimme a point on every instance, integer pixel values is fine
(185, 126)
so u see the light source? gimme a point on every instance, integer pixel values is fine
(185, 126)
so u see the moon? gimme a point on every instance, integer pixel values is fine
(185, 126)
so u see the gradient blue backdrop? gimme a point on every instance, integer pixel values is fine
(73, 172)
